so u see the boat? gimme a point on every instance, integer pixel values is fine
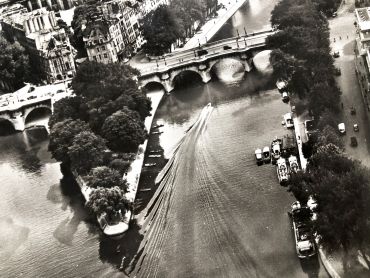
(285, 97)
(293, 164)
(288, 120)
(157, 126)
(154, 151)
(275, 150)
(150, 164)
(258, 155)
(302, 227)
(154, 155)
(157, 132)
(281, 84)
(266, 154)
(282, 171)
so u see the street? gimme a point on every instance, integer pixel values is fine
(342, 37)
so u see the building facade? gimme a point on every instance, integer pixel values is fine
(48, 45)
(114, 33)
(362, 51)
(54, 5)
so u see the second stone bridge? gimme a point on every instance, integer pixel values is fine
(201, 59)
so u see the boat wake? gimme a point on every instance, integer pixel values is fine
(154, 217)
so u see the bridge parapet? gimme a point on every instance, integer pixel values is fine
(21, 98)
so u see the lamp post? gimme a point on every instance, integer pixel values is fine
(198, 42)
(156, 61)
(245, 31)
(164, 58)
(237, 31)
(237, 42)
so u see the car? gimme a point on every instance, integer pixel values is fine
(342, 128)
(259, 157)
(336, 54)
(353, 110)
(32, 97)
(227, 47)
(356, 128)
(202, 52)
(354, 141)
(334, 14)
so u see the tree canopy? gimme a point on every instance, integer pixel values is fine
(302, 56)
(14, 65)
(107, 89)
(86, 152)
(62, 135)
(161, 28)
(106, 177)
(68, 108)
(124, 131)
(108, 200)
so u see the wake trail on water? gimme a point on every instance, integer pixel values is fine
(156, 213)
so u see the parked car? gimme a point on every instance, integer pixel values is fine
(353, 110)
(354, 141)
(259, 157)
(285, 97)
(336, 54)
(342, 128)
(334, 14)
(227, 47)
(356, 128)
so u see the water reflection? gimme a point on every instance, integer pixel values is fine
(12, 236)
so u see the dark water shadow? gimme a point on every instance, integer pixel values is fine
(121, 253)
(311, 266)
(71, 199)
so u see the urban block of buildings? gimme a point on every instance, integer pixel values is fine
(110, 34)
(48, 44)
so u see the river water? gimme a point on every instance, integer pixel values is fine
(218, 214)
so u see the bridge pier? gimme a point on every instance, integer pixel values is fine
(206, 76)
(18, 123)
(168, 86)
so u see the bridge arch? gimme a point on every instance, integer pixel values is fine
(154, 85)
(37, 112)
(188, 77)
(6, 126)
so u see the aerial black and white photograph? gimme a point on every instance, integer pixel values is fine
(185, 138)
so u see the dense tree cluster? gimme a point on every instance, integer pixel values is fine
(106, 115)
(14, 66)
(302, 54)
(341, 185)
(175, 22)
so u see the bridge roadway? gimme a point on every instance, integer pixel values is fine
(213, 50)
(15, 107)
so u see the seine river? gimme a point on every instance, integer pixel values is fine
(218, 214)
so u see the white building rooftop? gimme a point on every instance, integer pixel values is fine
(363, 18)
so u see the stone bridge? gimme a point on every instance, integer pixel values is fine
(201, 59)
(18, 107)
